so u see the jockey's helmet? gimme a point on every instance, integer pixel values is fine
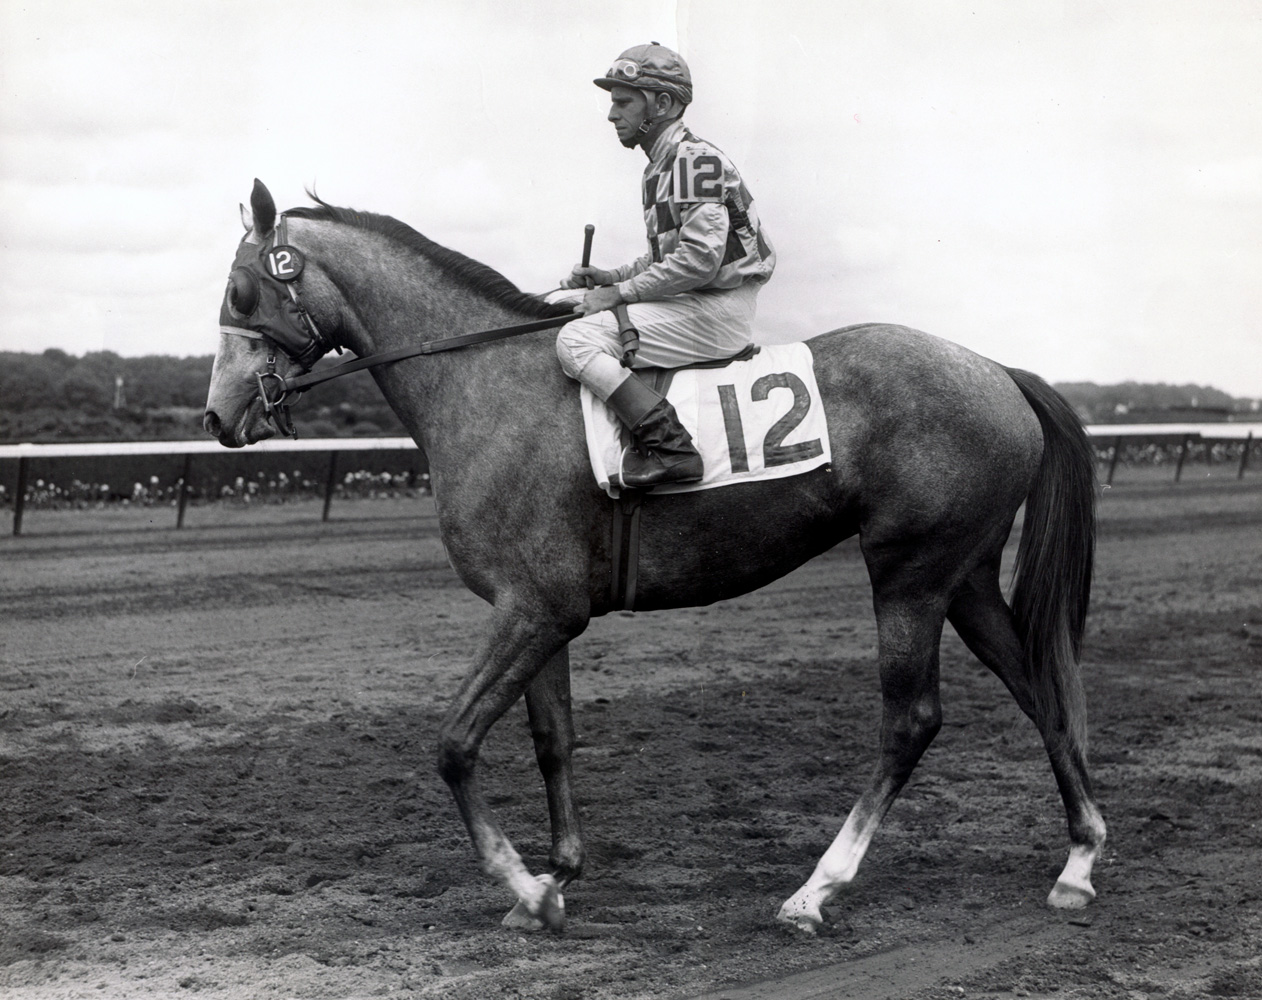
(651, 67)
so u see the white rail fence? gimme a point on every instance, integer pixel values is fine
(24, 454)
(1186, 434)
(334, 447)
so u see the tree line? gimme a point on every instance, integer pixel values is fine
(55, 396)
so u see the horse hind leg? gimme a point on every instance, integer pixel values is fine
(552, 727)
(909, 630)
(984, 621)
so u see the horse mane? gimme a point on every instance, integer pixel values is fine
(472, 274)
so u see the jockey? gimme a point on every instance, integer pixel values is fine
(691, 297)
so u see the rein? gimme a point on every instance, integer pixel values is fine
(305, 382)
(276, 407)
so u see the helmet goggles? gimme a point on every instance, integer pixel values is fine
(650, 67)
(624, 69)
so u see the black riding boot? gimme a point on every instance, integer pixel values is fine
(663, 451)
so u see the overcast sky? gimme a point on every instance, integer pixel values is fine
(1070, 187)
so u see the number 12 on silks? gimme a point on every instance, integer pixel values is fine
(774, 451)
(698, 177)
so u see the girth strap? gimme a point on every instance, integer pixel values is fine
(624, 563)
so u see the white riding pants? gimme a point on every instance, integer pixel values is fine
(688, 327)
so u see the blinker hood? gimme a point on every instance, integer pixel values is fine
(257, 301)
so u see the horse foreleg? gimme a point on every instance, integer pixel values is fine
(911, 716)
(983, 620)
(515, 651)
(552, 726)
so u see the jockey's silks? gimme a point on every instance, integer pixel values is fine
(703, 229)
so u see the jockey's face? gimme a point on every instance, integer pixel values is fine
(628, 109)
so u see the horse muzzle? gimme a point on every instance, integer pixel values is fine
(247, 429)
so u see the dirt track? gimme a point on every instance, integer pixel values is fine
(216, 753)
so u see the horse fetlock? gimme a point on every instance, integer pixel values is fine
(1088, 832)
(567, 862)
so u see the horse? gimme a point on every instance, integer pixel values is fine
(934, 451)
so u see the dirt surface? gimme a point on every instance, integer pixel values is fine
(216, 754)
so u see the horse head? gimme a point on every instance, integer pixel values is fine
(267, 332)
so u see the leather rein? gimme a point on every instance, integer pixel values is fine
(276, 390)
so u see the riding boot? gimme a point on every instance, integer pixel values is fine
(663, 451)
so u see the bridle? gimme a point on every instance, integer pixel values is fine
(288, 327)
(285, 325)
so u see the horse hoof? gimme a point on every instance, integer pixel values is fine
(521, 919)
(1066, 896)
(549, 909)
(552, 905)
(800, 917)
(799, 924)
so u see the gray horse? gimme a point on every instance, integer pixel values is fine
(934, 450)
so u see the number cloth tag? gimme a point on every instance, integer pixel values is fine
(284, 263)
(698, 175)
(752, 420)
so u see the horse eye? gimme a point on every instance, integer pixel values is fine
(243, 292)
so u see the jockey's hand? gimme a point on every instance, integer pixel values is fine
(600, 299)
(578, 277)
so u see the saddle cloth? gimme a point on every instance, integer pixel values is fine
(751, 420)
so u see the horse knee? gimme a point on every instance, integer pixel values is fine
(910, 731)
(924, 721)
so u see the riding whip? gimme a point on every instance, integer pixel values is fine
(628, 335)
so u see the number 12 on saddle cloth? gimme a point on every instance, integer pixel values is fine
(750, 420)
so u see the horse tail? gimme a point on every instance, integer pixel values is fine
(1052, 575)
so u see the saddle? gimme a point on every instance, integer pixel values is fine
(661, 378)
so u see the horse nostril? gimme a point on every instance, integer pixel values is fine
(211, 423)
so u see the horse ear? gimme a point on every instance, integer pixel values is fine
(264, 208)
(247, 219)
